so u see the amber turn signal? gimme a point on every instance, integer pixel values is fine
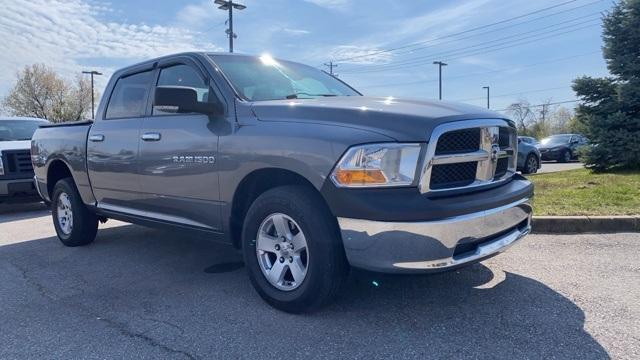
(359, 177)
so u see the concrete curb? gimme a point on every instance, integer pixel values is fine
(585, 224)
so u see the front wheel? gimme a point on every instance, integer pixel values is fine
(531, 165)
(75, 225)
(293, 249)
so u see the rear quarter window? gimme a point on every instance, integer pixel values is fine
(130, 95)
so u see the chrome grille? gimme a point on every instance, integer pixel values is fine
(447, 175)
(459, 141)
(468, 154)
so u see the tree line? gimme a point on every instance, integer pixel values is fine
(542, 120)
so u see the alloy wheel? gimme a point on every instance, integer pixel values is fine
(64, 213)
(282, 252)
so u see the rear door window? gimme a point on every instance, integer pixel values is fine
(130, 95)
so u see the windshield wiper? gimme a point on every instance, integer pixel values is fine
(295, 96)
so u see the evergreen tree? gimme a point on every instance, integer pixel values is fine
(610, 112)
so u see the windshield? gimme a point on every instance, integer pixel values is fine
(263, 78)
(556, 140)
(12, 130)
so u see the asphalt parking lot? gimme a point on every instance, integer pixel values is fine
(145, 294)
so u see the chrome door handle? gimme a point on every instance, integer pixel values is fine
(151, 137)
(96, 138)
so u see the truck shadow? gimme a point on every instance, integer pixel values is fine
(131, 275)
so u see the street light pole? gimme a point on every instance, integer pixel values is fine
(440, 65)
(93, 101)
(229, 6)
(487, 87)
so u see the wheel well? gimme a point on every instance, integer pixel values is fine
(57, 170)
(252, 186)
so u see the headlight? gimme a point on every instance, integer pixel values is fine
(375, 165)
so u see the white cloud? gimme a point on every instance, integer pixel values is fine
(331, 4)
(67, 34)
(447, 18)
(204, 14)
(295, 32)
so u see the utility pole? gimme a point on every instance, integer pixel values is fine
(487, 87)
(331, 65)
(229, 6)
(440, 65)
(93, 101)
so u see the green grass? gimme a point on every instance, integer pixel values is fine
(581, 192)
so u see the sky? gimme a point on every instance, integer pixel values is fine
(522, 50)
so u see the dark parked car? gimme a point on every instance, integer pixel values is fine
(16, 172)
(528, 155)
(561, 147)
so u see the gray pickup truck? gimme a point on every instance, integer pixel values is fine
(292, 166)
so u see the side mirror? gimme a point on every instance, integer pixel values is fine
(183, 100)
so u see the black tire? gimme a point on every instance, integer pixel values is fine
(565, 156)
(84, 222)
(327, 266)
(529, 167)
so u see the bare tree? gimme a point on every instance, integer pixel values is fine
(521, 113)
(561, 121)
(40, 92)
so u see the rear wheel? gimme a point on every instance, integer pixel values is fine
(293, 250)
(75, 225)
(565, 157)
(531, 165)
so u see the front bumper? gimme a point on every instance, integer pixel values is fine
(428, 246)
(18, 190)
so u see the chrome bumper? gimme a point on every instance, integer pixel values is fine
(434, 245)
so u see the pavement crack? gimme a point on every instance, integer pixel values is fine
(167, 323)
(31, 281)
(124, 330)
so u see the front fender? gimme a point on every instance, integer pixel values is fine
(310, 150)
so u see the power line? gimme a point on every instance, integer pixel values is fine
(505, 27)
(458, 33)
(540, 31)
(459, 56)
(483, 73)
(463, 52)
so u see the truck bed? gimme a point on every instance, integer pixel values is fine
(65, 142)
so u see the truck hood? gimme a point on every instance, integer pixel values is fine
(400, 119)
(15, 145)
